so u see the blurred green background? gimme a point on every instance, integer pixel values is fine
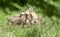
(48, 9)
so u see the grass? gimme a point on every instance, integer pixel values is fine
(50, 27)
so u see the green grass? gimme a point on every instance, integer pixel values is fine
(49, 27)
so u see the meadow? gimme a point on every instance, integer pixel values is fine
(49, 27)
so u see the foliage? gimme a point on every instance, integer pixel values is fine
(49, 7)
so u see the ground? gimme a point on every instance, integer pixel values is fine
(49, 27)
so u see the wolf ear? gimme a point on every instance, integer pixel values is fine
(31, 9)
